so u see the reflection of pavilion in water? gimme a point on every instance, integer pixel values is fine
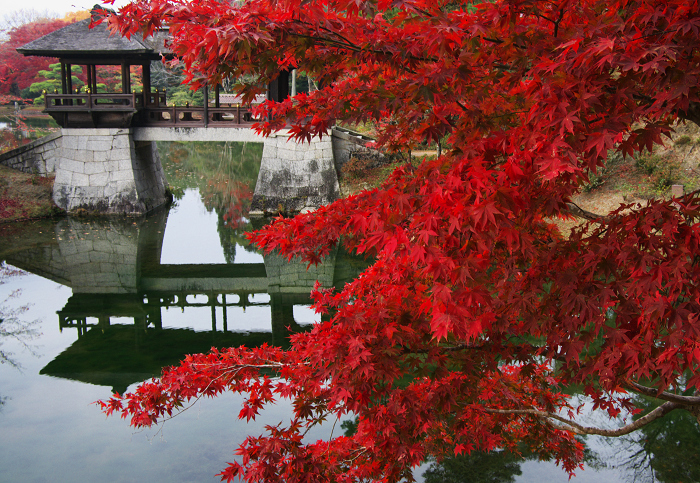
(113, 267)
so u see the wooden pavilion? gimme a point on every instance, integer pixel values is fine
(78, 44)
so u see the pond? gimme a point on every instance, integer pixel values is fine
(18, 129)
(102, 304)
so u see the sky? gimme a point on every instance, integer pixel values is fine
(59, 7)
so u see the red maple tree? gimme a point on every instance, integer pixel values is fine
(477, 312)
(18, 72)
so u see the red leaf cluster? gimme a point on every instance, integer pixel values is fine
(18, 72)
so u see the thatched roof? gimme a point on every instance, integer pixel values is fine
(79, 42)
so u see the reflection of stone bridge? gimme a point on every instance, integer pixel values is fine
(113, 268)
(116, 262)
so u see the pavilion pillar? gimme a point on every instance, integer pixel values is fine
(278, 90)
(89, 77)
(205, 91)
(217, 102)
(69, 82)
(146, 76)
(93, 70)
(126, 79)
(69, 78)
(64, 81)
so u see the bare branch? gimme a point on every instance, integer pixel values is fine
(576, 428)
(666, 396)
(579, 212)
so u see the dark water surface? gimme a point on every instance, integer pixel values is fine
(103, 304)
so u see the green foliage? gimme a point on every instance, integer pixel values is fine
(671, 444)
(51, 82)
(597, 179)
(349, 426)
(477, 467)
(683, 140)
(183, 96)
(649, 163)
(662, 170)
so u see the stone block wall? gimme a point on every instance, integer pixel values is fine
(106, 171)
(295, 176)
(37, 157)
(345, 143)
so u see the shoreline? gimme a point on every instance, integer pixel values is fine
(25, 196)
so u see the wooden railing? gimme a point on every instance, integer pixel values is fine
(88, 101)
(156, 99)
(154, 114)
(197, 116)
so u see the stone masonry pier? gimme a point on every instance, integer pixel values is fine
(105, 170)
(118, 170)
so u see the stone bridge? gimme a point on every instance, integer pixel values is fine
(105, 160)
(118, 170)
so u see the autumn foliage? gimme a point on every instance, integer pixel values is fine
(18, 72)
(477, 312)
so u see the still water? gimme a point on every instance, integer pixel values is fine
(18, 129)
(102, 304)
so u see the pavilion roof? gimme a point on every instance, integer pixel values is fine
(78, 41)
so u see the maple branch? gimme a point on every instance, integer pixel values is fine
(347, 44)
(558, 21)
(495, 41)
(577, 428)
(665, 395)
(195, 399)
(317, 420)
(460, 347)
(544, 17)
(579, 212)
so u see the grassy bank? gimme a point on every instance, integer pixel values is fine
(623, 180)
(25, 196)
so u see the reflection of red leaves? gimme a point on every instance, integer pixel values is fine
(5, 100)
(232, 197)
(12, 138)
(238, 209)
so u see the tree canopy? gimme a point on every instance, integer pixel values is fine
(50, 80)
(477, 312)
(18, 72)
